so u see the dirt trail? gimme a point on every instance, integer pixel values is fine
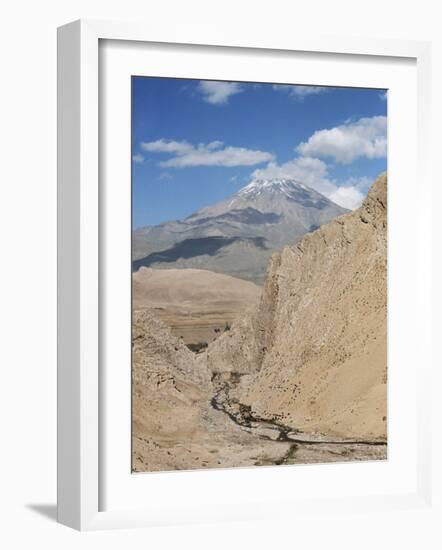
(272, 430)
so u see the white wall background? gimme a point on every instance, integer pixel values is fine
(28, 276)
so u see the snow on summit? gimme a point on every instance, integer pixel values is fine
(282, 185)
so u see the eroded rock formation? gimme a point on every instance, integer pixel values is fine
(317, 344)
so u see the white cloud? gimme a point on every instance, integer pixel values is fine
(299, 92)
(218, 93)
(165, 176)
(210, 154)
(351, 192)
(383, 95)
(313, 172)
(229, 156)
(138, 158)
(166, 146)
(363, 183)
(348, 197)
(213, 145)
(367, 137)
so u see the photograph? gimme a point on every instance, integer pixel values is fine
(259, 274)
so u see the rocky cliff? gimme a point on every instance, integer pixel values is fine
(169, 392)
(314, 354)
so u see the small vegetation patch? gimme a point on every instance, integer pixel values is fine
(197, 348)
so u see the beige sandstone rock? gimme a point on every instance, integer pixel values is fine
(322, 336)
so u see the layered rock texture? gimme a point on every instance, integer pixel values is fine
(168, 392)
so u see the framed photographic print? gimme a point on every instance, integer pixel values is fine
(234, 259)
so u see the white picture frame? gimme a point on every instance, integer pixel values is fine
(80, 441)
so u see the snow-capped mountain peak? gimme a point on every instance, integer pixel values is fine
(280, 185)
(281, 196)
(238, 235)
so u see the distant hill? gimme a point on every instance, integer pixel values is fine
(236, 236)
(196, 304)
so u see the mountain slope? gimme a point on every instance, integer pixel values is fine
(236, 236)
(317, 344)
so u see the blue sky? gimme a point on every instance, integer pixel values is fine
(197, 142)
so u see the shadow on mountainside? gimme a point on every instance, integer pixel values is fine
(190, 248)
